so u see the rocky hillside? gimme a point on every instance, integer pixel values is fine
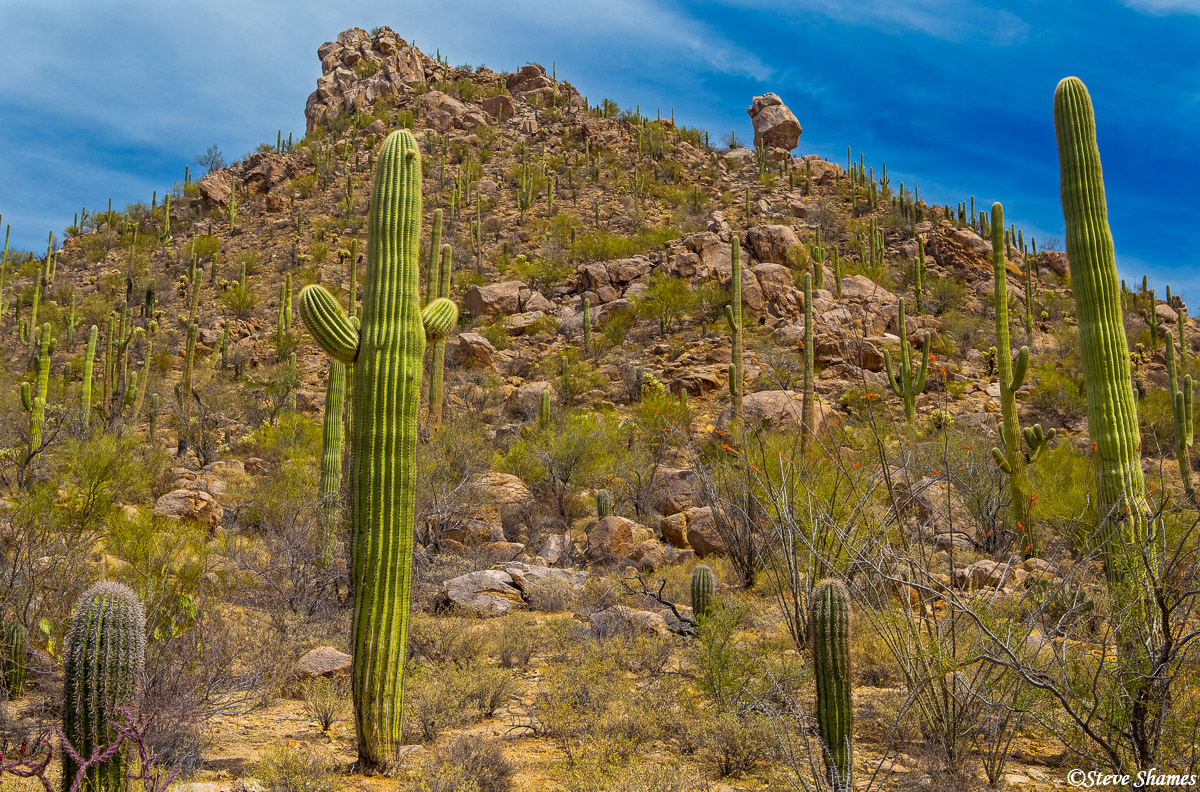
(593, 254)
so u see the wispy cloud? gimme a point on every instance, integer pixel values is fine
(1164, 7)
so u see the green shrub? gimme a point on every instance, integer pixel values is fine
(326, 700)
(298, 769)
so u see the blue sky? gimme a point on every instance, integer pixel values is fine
(114, 99)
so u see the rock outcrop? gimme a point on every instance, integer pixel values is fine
(775, 126)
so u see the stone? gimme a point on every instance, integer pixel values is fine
(494, 300)
(611, 537)
(775, 126)
(677, 491)
(556, 549)
(526, 400)
(623, 620)
(324, 661)
(702, 533)
(860, 287)
(777, 409)
(474, 349)
(490, 592)
(649, 554)
(215, 188)
(939, 510)
(500, 108)
(674, 530)
(190, 504)
(501, 552)
(772, 243)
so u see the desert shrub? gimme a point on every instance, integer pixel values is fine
(593, 775)
(298, 769)
(551, 595)
(603, 245)
(943, 295)
(1055, 393)
(967, 331)
(456, 640)
(305, 185)
(667, 300)
(517, 640)
(449, 466)
(204, 248)
(737, 743)
(448, 697)
(239, 299)
(326, 700)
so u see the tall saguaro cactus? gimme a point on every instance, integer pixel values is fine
(1013, 460)
(1112, 409)
(106, 649)
(908, 384)
(733, 314)
(35, 402)
(386, 353)
(831, 671)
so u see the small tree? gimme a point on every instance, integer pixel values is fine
(211, 160)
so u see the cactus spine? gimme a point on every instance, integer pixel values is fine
(808, 406)
(105, 655)
(831, 670)
(437, 367)
(703, 586)
(733, 315)
(1013, 460)
(1112, 409)
(387, 353)
(909, 384)
(12, 662)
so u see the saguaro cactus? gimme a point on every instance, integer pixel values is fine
(386, 353)
(733, 314)
(1181, 411)
(587, 325)
(908, 385)
(437, 366)
(35, 402)
(89, 358)
(703, 586)
(12, 661)
(808, 406)
(1013, 460)
(831, 670)
(603, 503)
(1112, 409)
(106, 649)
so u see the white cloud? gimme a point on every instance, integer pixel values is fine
(1164, 7)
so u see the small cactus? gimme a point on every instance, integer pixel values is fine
(602, 504)
(831, 670)
(910, 382)
(703, 586)
(12, 661)
(105, 656)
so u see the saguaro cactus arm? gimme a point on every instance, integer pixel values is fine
(331, 328)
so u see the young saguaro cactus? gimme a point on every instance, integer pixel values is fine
(1013, 460)
(437, 366)
(704, 583)
(89, 358)
(12, 662)
(909, 384)
(105, 656)
(1181, 410)
(808, 405)
(831, 671)
(1112, 409)
(603, 504)
(386, 353)
(919, 277)
(733, 314)
(587, 325)
(35, 402)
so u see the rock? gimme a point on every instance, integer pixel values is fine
(501, 552)
(674, 530)
(939, 511)
(677, 491)
(622, 620)
(863, 288)
(702, 533)
(375, 129)
(776, 409)
(474, 349)
(324, 661)
(526, 400)
(775, 126)
(1166, 316)
(772, 243)
(494, 300)
(610, 537)
(500, 108)
(522, 574)
(190, 504)
(649, 554)
(530, 78)
(489, 591)
(516, 324)
(556, 549)
(215, 188)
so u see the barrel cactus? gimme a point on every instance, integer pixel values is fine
(703, 586)
(386, 353)
(831, 671)
(105, 656)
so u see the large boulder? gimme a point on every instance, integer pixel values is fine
(324, 661)
(772, 243)
(776, 409)
(702, 533)
(494, 592)
(611, 537)
(677, 491)
(499, 108)
(495, 300)
(190, 504)
(775, 126)
(622, 620)
(526, 400)
(474, 349)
